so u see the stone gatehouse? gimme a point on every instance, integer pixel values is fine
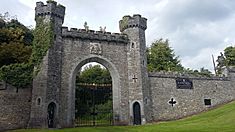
(160, 96)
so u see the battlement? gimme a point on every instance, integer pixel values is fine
(51, 8)
(135, 21)
(163, 74)
(94, 35)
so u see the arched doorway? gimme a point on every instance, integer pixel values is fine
(51, 115)
(136, 114)
(93, 96)
(69, 85)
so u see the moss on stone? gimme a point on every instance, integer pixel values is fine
(124, 23)
(43, 40)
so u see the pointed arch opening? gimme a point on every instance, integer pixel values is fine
(107, 93)
(51, 113)
(136, 114)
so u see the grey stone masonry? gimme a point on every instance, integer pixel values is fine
(94, 35)
(50, 9)
(14, 107)
(47, 84)
(157, 96)
(216, 90)
(130, 22)
(139, 91)
(70, 51)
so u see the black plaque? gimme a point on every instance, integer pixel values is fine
(184, 83)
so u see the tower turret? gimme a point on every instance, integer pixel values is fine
(51, 12)
(130, 22)
(48, 48)
(139, 92)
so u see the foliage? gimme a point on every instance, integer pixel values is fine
(162, 58)
(229, 53)
(226, 59)
(2, 23)
(14, 31)
(14, 53)
(43, 39)
(18, 75)
(124, 23)
(106, 108)
(15, 43)
(88, 94)
(17, 56)
(91, 98)
(203, 72)
(94, 74)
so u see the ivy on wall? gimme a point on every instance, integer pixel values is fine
(21, 74)
(18, 75)
(124, 23)
(43, 39)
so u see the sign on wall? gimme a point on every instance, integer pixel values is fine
(184, 83)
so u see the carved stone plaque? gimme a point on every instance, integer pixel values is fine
(95, 48)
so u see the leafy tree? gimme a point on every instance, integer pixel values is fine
(94, 74)
(2, 23)
(15, 42)
(229, 53)
(226, 59)
(205, 72)
(15, 52)
(18, 75)
(162, 58)
(14, 31)
(202, 72)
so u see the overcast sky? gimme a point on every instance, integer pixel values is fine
(196, 28)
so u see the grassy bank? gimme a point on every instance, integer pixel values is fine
(221, 119)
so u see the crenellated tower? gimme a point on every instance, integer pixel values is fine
(47, 82)
(51, 12)
(139, 92)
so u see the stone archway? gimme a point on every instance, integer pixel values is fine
(73, 48)
(72, 80)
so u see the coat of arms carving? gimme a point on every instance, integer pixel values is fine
(95, 48)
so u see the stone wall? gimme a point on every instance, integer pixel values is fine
(78, 52)
(188, 101)
(15, 107)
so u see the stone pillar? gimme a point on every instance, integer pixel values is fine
(139, 91)
(46, 84)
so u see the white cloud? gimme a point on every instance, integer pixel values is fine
(29, 3)
(196, 29)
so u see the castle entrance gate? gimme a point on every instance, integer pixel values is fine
(94, 105)
(123, 54)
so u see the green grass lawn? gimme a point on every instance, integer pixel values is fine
(221, 119)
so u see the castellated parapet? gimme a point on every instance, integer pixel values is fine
(51, 8)
(94, 35)
(163, 74)
(135, 21)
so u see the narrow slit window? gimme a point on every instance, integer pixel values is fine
(132, 45)
(39, 101)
